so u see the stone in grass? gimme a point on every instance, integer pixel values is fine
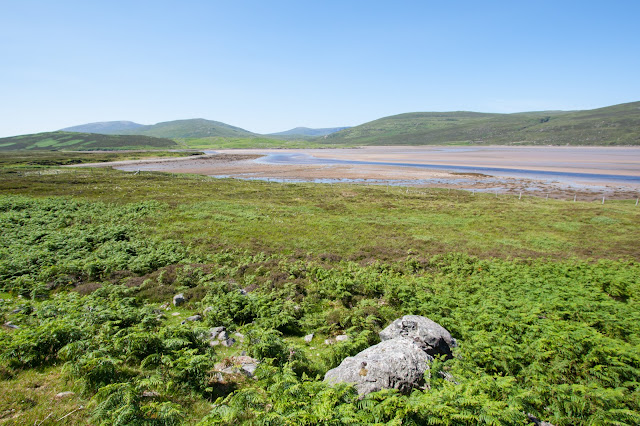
(193, 318)
(393, 364)
(342, 338)
(178, 299)
(228, 342)
(63, 395)
(433, 338)
(308, 338)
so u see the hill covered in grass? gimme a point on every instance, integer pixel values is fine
(614, 125)
(193, 128)
(104, 127)
(72, 141)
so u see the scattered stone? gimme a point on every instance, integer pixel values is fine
(238, 364)
(392, 364)
(242, 291)
(329, 341)
(223, 335)
(536, 421)
(194, 318)
(63, 395)
(342, 338)
(429, 335)
(176, 314)
(214, 343)
(150, 394)
(178, 299)
(164, 305)
(11, 325)
(228, 342)
(308, 338)
(216, 330)
(207, 310)
(239, 335)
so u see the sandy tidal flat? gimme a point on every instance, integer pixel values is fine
(505, 164)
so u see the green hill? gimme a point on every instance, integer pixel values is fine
(193, 128)
(614, 125)
(56, 141)
(104, 127)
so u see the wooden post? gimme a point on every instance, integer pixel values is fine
(520, 197)
(574, 197)
(603, 200)
(637, 201)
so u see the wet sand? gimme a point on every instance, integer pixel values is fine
(249, 164)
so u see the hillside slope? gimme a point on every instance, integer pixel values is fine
(614, 125)
(306, 131)
(104, 127)
(193, 128)
(55, 141)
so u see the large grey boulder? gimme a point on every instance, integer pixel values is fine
(392, 364)
(433, 338)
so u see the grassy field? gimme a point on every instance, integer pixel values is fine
(542, 296)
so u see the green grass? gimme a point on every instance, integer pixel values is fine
(388, 222)
(44, 159)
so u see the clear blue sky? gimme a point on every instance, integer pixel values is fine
(268, 66)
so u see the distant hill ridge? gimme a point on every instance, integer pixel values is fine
(104, 127)
(306, 131)
(614, 125)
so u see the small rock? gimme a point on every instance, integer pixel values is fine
(216, 330)
(240, 336)
(329, 341)
(176, 314)
(223, 335)
(342, 338)
(150, 394)
(242, 291)
(308, 338)
(11, 325)
(164, 305)
(178, 299)
(63, 395)
(229, 342)
(207, 310)
(214, 343)
(194, 318)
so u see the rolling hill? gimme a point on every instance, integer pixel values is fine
(307, 132)
(56, 141)
(614, 125)
(104, 127)
(193, 128)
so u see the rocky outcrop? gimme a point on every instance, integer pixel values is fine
(392, 364)
(433, 338)
(400, 360)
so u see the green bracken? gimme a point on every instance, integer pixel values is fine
(542, 296)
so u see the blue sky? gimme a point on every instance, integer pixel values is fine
(268, 66)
